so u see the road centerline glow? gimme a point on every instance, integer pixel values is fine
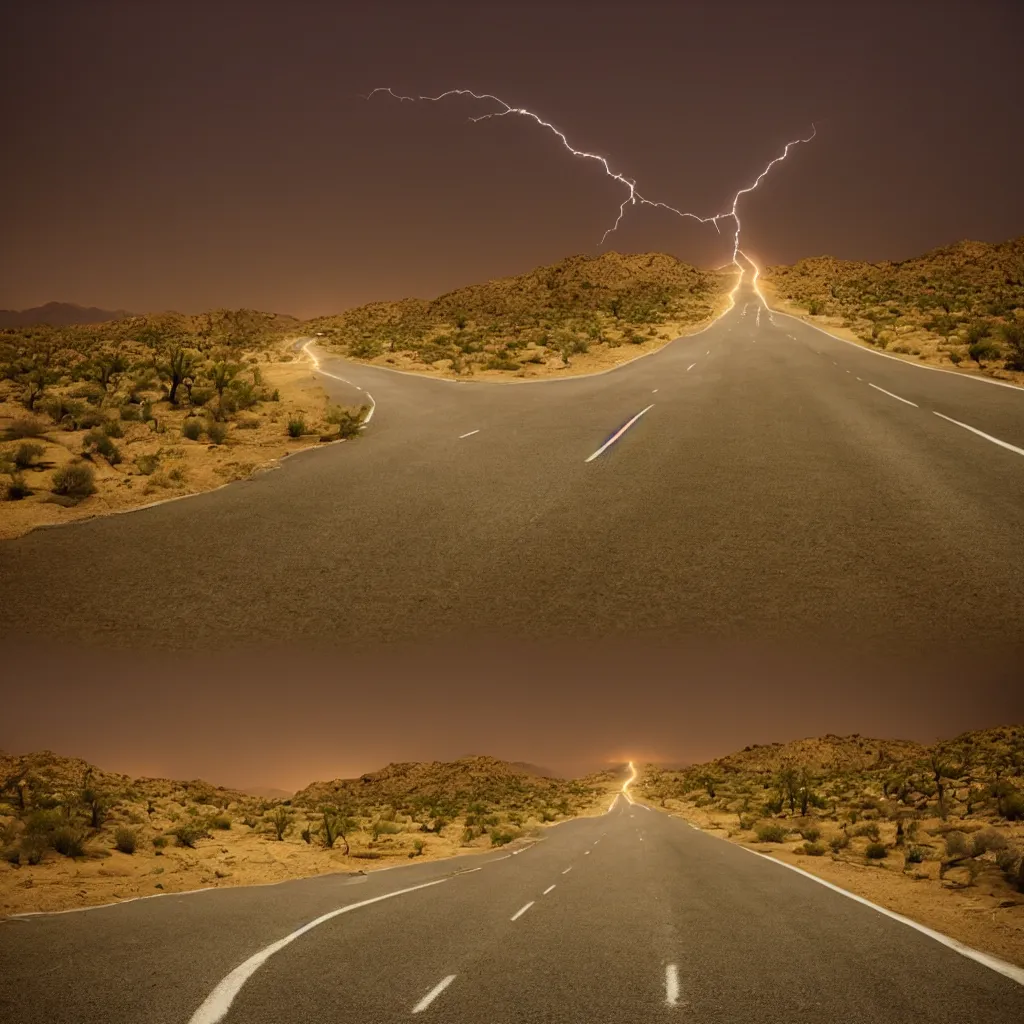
(433, 994)
(618, 433)
(547, 890)
(470, 434)
(891, 395)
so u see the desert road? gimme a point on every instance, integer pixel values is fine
(629, 916)
(758, 479)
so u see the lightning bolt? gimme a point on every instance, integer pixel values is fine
(633, 197)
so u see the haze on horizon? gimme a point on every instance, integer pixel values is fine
(184, 156)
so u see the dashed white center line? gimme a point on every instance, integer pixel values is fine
(690, 367)
(567, 870)
(547, 890)
(655, 391)
(433, 994)
(981, 433)
(586, 853)
(522, 910)
(891, 395)
(671, 985)
(708, 352)
(618, 433)
(470, 434)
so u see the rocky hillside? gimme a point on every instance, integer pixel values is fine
(547, 315)
(962, 305)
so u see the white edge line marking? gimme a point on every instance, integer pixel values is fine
(618, 433)
(216, 1005)
(981, 433)
(470, 434)
(522, 910)
(567, 870)
(547, 890)
(891, 395)
(433, 994)
(316, 369)
(905, 362)
(671, 985)
(994, 963)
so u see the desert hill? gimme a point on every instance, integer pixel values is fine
(72, 834)
(578, 306)
(957, 305)
(59, 314)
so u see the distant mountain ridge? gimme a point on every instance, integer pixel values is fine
(59, 314)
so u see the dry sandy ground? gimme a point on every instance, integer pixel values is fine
(185, 467)
(986, 915)
(599, 358)
(927, 344)
(239, 856)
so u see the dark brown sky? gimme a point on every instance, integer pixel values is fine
(218, 154)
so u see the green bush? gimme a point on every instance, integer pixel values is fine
(129, 413)
(32, 849)
(814, 849)
(876, 851)
(192, 428)
(839, 842)
(222, 821)
(914, 855)
(296, 426)
(73, 481)
(159, 842)
(957, 845)
(147, 464)
(772, 833)
(870, 830)
(125, 840)
(113, 428)
(812, 834)
(499, 838)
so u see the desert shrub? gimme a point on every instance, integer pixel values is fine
(113, 428)
(33, 849)
(772, 833)
(15, 489)
(417, 848)
(914, 855)
(73, 481)
(12, 854)
(814, 849)
(281, 821)
(876, 851)
(812, 833)
(216, 432)
(247, 423)
(126, 840)
(987, 840)
(1011, 806)
(296, 426)
(957, 845)
(870, 830)
(89, 420)
(189, 834)
(96, 442)
(129, 413)
(499, 838)
(773, 804)
(68, 842)
(221, 821)
(348, 420)
(25, 426)
(192, 428)
(839, 842)
(159, 842)
(980, 351)
(200, 396)
(147, 464)
(26, 454)
(955, 358)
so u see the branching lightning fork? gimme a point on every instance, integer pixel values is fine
(634, 197)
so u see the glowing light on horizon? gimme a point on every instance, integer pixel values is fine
(634, 197)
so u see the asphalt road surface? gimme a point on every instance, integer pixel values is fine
(772, 482)
(778, 482)
(630, 916)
